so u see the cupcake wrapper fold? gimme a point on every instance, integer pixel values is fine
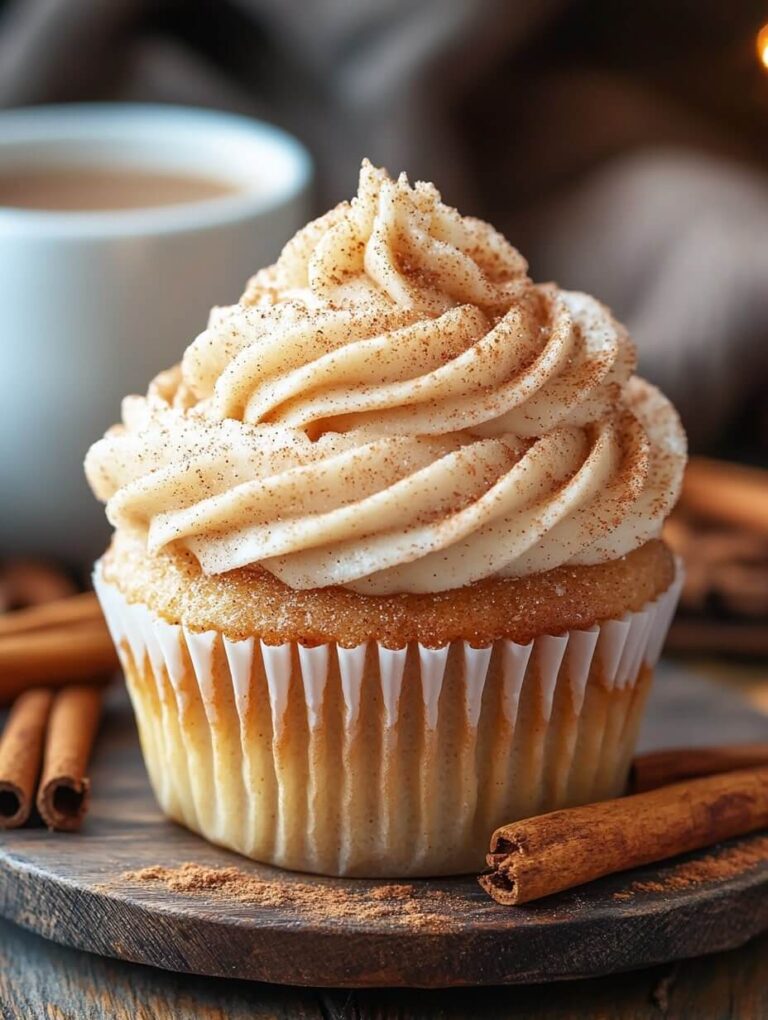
(375, 761)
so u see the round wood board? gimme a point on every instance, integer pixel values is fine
(72, 889)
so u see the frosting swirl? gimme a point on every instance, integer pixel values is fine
(395, 406)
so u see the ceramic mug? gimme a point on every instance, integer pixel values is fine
(94, 303)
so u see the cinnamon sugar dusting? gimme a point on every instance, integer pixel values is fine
(248, 602)
(719, 865)
(404, 905)
(395, 406)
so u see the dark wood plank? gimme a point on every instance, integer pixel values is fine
(42, 981)
(69, 888)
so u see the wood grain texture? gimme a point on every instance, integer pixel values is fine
(69, 888)
(42, 981)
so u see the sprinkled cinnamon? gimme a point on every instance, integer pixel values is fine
(405, 905)
(719, 865)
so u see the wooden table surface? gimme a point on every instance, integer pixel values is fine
(41, 980)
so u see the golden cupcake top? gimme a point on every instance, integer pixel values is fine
(394, 406)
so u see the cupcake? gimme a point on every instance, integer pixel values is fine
(386, 570)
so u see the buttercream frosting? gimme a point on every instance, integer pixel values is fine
(395, 406)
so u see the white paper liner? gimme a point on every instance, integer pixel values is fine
(373, 761)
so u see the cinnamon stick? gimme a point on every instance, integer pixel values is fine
(55, 656)
(82, 608)
(660, 768)
(549, 853)
(21, 754)
(64, 791)
(726, 492)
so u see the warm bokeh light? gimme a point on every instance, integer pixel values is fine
(762, 45)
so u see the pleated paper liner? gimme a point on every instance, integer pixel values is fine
(371, 761)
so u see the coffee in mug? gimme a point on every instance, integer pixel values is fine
(82, 188)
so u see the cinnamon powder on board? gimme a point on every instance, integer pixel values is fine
(714, 867)
(401, 904)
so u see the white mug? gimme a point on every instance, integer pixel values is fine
(94, 303)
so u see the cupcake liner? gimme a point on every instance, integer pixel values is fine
(375, 761)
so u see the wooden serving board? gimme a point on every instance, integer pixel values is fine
(70, 888)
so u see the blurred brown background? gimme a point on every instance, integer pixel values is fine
(621, 146)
